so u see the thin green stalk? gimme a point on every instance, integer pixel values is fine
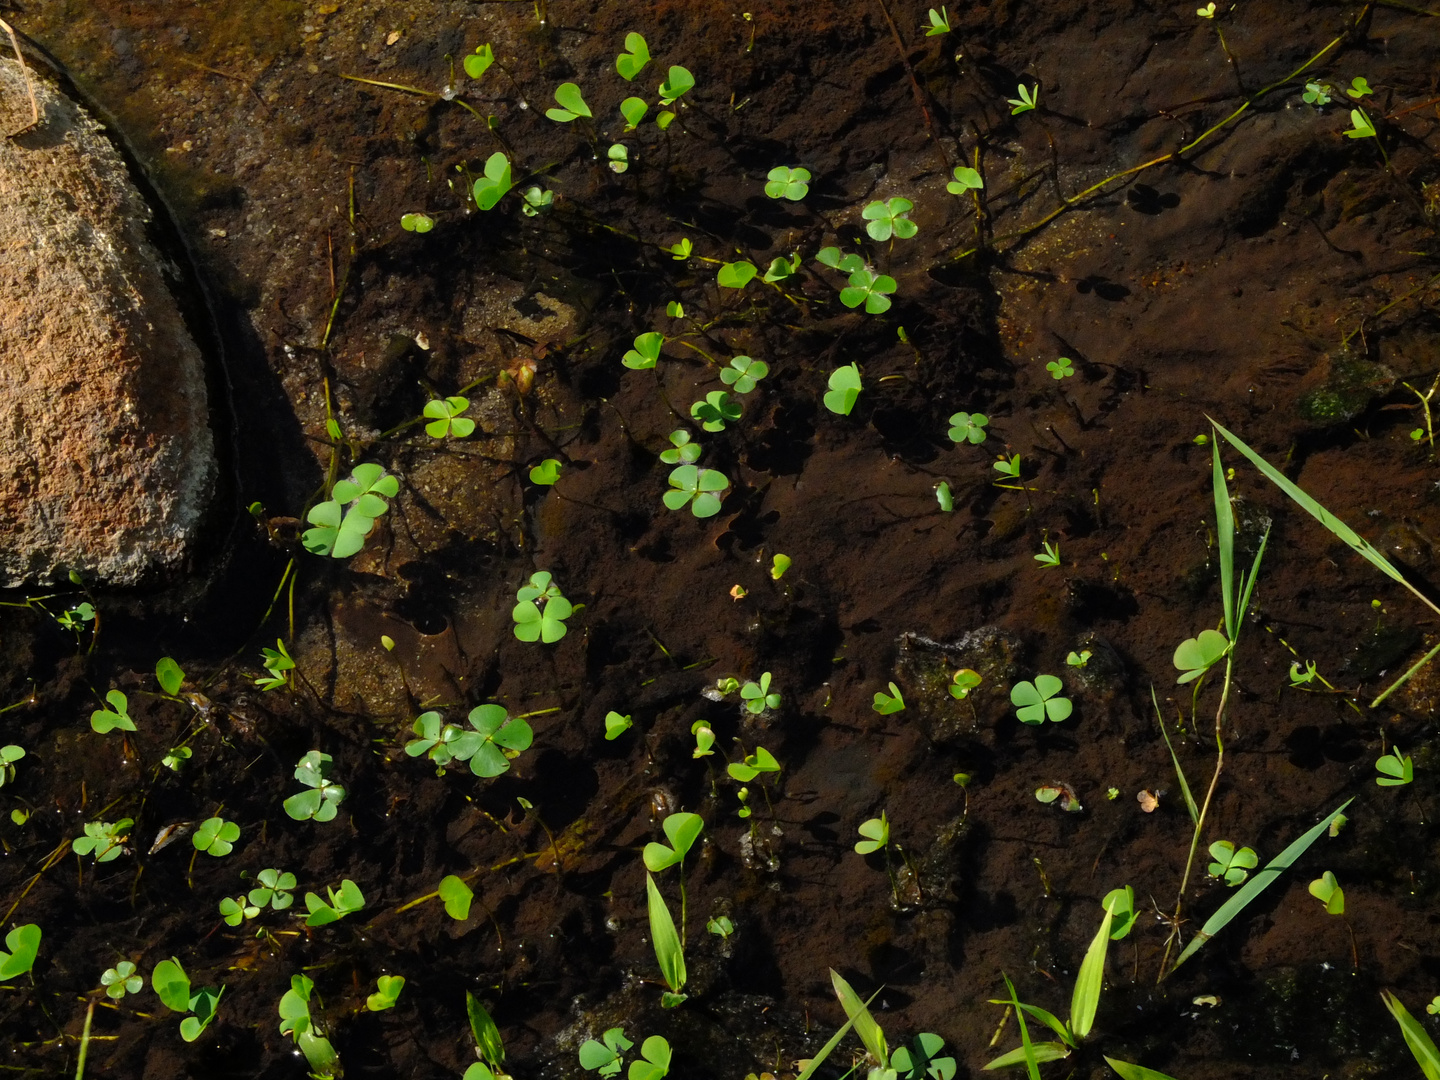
(85, 1042)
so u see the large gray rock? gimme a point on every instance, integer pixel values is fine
(106, 456)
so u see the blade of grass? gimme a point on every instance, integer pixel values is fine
(865, 1025)
(1090, 981)
(1256, 885)
(1027, 1048)
(1416, 1037)
(1179, 772)
(829, 1047)
(1135, 1072)
(1224, 537)
(1406, 677)
(669, 952)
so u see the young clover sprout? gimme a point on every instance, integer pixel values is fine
(720, 926)
(546, 473)
(491, 187)
(496, 738)
(877, 835)
(1038, 701)
(347, 900)
(572, 105)
(868, 288)
(456, 896)
(704, 739)
(103, 839)
(682, 830)
(387, 992)
(964, 681)
(216, 836)
(1360, 126)
(172, 986)
(1062, 793)
(784, 182)
(831, 257)
(681, 249)
(762, 761)
(295, 1021)
(645, 353)
(1050, 555)
(966, 179)
(322, 801)
(1358, 88)
(736, 275)
(716, 410)
(278, 663)
(616, 725)
(534, 622)
(844, 389)
(654, 1061)
(944, 497)
(235, 910)
(757, 696)
(677, 83)
(743, 373)
(633, 60)
(478, 62)
(1327, 890)
(1397, 769)
(445, 418)
(169, 675)
(683, 450)
(633, 109)
(939, 23)
(339, 532)
(968, 427)
(893, 702)
(1027, 100)
(697, 488)
(619, 157)
(273, 890)
(417, 223)
(606, 1056)
(116, 716)
(1206, 12)
(8, 756)
(1317, 94)
(1008, 466)
(675, 309)
(24, 945)
(75, 618)
(121, 980)
(1078, 660)
(887, 219)
(1234, 866)
(1195, 656)
(535, 200)
(1060, 369)
(778, 565)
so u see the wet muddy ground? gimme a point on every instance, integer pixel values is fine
(1276, 275)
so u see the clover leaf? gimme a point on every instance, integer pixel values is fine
(496, 181)
(1195, 656)
(696, 488)
(783, 182)
(887, 219)
(445, 418)
(1038, 701)
(743, 373)
(636, 56)
(968, 427)
(844, 390)
(116, 716)
(868, 288)
(645, 353)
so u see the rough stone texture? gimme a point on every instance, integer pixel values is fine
(106, 456)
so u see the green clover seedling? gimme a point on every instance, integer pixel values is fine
(1049, 555)
(216, 836)
(743, 373)
(500, 738)
(445, 418)
(387, 992)
(478, 62)
(1358, 87)
(572, 105)
(736, 275)
(757, 696)
(655, 1063)
(680, 250)
(616, 725)
(678, 82)
(718, 409)
(346, 901)
(235, 910)
(1206, 12)
(296, 1021)
(1360, 126)
(964, 681)
(606, 1056)
(103, 839)
(1195, 656)
(783, 182)
(893, 702)
(683, 450)
(939, 23)
(116, 716)
(1077, 660)
(172, 985)
(634, 58)
(546, 473)
(417, 223)
(8, 756)
(344, 520)
(645, 353)
(633, 109)
(1327, 890)
(1060, 369)
(945, 497)
(1027, 100)
(877, 835)
(918, 1061)
(1008, 467)
(762, 761)
(782, 268)
(1317, 94)
(541, 610)
(778, 565)
(697, 488)
(1121, 905)
(868, 288)
(1397, 769)
(1039, 701)
(24, 945)
(1234, 866)
(279, 664)
(704, 739)
(121, 980)
(75, 618)
(1061, 793)
(321, 802)
(169, 675)
(966, 179)
(844, 390)
(682, 830)
(831, 257)
(456, 896)
(887, 219)
(491, 187)
(968, 427)
(675, 309)
(273, 890)
(721, 926)
(618, 157)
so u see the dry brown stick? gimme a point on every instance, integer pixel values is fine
(915, 86)
(29, 85)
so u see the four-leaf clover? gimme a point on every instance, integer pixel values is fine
(698, 488)
(1037, 702)
(887, 219)
(968, 427)
(783, 182)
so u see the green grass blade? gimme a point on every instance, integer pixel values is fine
(1179, 772)
(669, 952)
(1247, 584)
(1135, 1072)
(1224, 536)
(1086, 998)
(1256, 885)
(1406, 677)
(829, 1047)
(1027, 1048)
(865, 1025)
(1041, 1052)
(1416, 1037)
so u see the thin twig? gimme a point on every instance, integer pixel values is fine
(29, 85)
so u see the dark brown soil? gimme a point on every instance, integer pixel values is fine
(1278, 277)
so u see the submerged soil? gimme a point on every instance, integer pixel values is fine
(1277, 276)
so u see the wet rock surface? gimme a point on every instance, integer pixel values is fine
(106, 455)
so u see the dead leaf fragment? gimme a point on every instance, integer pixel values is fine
(1148, 801)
